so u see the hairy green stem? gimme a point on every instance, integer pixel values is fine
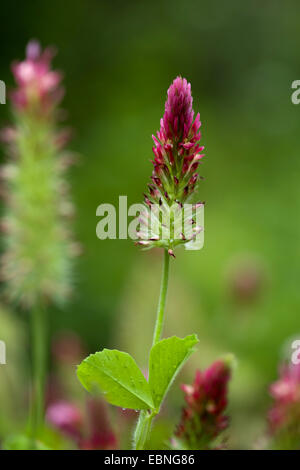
(143, 427)
(38, 339)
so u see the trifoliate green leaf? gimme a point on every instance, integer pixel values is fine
(118, 377)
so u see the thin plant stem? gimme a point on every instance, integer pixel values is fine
(144, 423)
(38, 338)
(143, 429)
(162, 299)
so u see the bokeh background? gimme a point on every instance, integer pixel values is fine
(241, 292)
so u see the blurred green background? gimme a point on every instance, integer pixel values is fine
(241, 292)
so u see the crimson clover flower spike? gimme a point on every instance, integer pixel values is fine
(203, 416)
(176, 149)
(177, 154)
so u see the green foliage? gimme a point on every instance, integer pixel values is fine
(116, 375)
(23, 442)
(166, 359)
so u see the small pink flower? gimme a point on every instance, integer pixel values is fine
(66, 417)
(91, 432)
(285, 412)
(37, 84)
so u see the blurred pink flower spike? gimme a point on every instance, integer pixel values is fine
(284, 416)
(90, 433)
(203, 418)
(38, 85)
(100, 434)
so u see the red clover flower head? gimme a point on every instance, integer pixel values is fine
(203, 418)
